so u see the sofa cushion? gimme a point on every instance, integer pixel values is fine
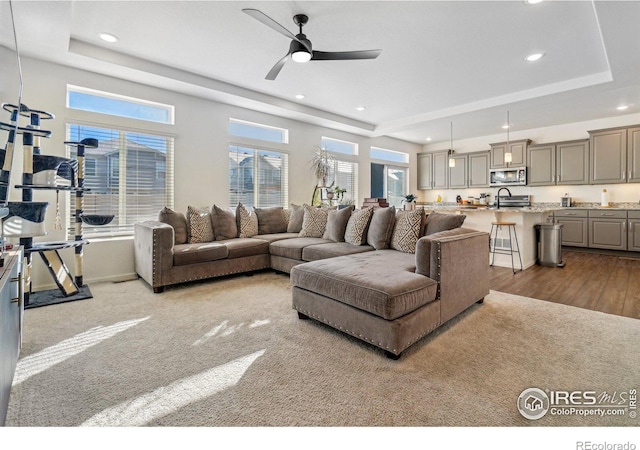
(381, 227)
(275, 237)
(179, 223)
(314, 222)
(437, 222)
(246, 221)
(224, 223)
(406, 231)
(241, 247)
(200, 228)
(337, 224)
(356, 232)
(271, 220)
(381, 282)
(296, 215)
(185, 254)
(331, 250)
(292, 248)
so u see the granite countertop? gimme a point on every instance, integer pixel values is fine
(534, 208)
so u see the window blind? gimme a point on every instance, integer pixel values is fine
(129, 175)
(258, 177)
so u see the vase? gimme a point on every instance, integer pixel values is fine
(409, 206)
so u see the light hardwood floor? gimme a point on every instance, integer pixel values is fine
(593, 281)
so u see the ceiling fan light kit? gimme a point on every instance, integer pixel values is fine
(300, 49)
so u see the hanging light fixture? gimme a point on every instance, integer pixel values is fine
(452, 162)
(508, 157)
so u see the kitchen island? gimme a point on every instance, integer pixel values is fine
(480, 218)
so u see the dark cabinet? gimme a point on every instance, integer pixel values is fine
(608, 229)
(518, 150)
(575, 227)
(558, 163)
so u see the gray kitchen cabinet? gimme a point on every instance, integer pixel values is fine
(633, 234)
(458, 173)
(575, 227)
(558, 163)
(518, 151)
(541, 165)
(572, 162)
(633, 155)
(608, 154)
(11, 316)
(433, 170)
(425, 170)
(478, 169)
(608, 229)
(441, 170)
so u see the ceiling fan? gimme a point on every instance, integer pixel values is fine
(300, 49)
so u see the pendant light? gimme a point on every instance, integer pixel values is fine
(508, 157)
(452, 162)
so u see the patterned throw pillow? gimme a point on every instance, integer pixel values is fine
(407, 230)
(200, 228)
(247, 221)
(314, 222)
(356, 232)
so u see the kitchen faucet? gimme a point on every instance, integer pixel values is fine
(498, 196)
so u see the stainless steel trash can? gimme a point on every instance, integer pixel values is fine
(549, 237)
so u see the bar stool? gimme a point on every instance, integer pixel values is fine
(494, 235)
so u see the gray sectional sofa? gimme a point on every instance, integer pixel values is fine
(388, 284)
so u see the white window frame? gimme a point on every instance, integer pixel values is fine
(111, 96)
(283, 131)
(324, 140)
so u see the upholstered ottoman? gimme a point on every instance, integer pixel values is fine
(374, 296)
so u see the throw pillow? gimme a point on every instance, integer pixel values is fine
(314, 222)
(271, 220)
(441, 222)
(381, 227)
(247, 222)
(200, 229)
(406, 232)
(178, 221)
(337, 220)
(356, 232)
(296, 214)
(224, 223)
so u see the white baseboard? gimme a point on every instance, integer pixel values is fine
(112, 279)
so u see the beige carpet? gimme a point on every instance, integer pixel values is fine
(232, 352)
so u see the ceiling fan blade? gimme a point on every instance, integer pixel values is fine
(275, 70)
(268, 21)
(360, 54)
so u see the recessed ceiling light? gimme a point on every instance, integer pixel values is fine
(532, 2)
(622, 107)
(299, 96)
(428, 139)
(108, 37)
(534, 57)
(361, 108)
(505, 127)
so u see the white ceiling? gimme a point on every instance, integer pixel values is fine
(441, 61)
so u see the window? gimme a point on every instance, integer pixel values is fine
(258, 177)
(337, 146)
(251, 130)
(118, 105)
(396, 182)
(344, 174)
(130, 176)
(389, 155)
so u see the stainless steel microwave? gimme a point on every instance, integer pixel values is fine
(512, 176)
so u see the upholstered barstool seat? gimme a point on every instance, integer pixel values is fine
(511, 227)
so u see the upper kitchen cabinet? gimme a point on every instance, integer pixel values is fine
(518, 151)
(478, 167)
(433, 170)
(608, 156)
(558, 163)
(633, 154)
(458, 173)
(425, 170)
